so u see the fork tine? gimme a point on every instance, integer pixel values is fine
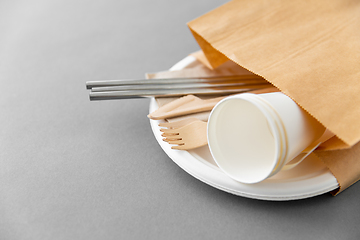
(171, 138)
(180, 147)
(169, 134)
(167, 130)
(168, 140)
(177, 142)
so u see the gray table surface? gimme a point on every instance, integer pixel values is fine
(75, 169)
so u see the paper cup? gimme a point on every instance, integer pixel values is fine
(252, 136)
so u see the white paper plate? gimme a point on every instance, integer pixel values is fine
(308, 179)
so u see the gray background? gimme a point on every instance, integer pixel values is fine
(75, 169)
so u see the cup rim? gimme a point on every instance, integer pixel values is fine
(282, 132)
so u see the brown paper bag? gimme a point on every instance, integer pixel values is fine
(309, 50)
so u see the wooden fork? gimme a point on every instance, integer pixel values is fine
(189, 136)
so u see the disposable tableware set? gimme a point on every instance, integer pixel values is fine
(253, 130)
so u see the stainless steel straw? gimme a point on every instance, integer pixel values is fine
(122, 89)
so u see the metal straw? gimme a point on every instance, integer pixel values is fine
(121, 89)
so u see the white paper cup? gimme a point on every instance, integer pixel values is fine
(252, 136)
